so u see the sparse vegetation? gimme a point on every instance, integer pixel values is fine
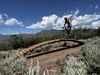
(22, 40)
(16, 68)
(87, 64)
(91, 55)
(74, 66)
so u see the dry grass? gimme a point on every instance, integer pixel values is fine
(88, 61)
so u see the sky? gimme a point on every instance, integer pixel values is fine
(31, 16)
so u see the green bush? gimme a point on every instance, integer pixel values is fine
(16, 41)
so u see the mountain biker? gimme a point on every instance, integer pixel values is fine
(67, 25)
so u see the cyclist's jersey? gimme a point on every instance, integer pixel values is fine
(68, 24)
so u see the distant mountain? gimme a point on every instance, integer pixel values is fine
(3, 36)
(41, 33)
(49, 33)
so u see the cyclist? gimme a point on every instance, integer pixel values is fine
(67, 25)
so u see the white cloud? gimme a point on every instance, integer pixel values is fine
(47, 23)
(52, 22)
(4, 20)
(13, 21)
(86, 19)
(48, 20)
(35, 26)
(76, 12)
(96, 24)
(57, 22)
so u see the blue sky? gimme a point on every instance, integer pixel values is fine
(17, 15)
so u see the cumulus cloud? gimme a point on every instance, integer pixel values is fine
(13, 21)
(95, 24)
(57, 22)
(4, 20)
(47, 23)
(85, 19)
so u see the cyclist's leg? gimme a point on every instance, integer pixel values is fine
(69, 32)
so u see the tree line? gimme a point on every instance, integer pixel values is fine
(19, 41)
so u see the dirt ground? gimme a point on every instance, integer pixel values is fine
(54, 58)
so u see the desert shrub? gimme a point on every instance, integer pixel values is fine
(17, 67)
(91, 54)
(74, 66)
